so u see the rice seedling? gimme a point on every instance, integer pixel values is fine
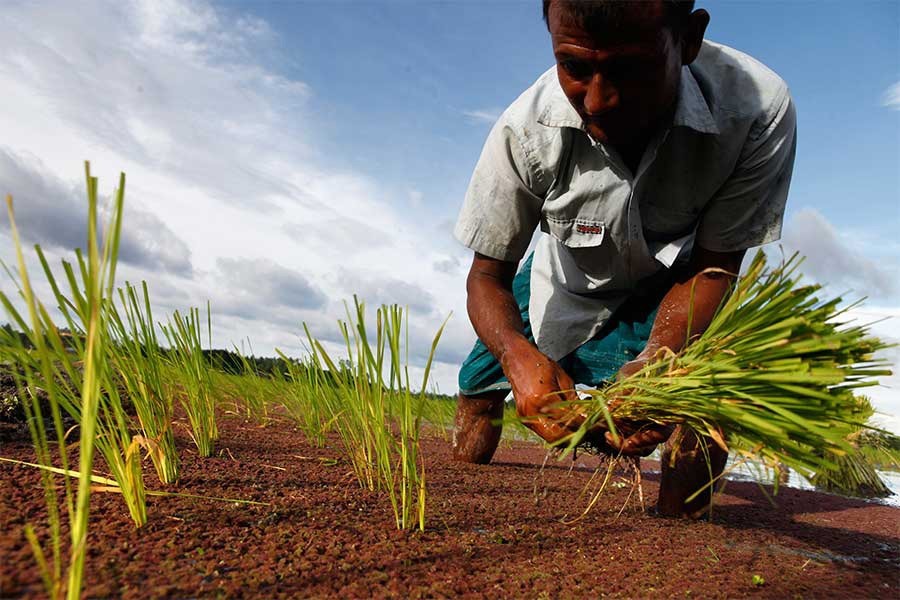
(772, 378)
(855, 472)
(251, 388)
(138, 361)
(114, 439)
(42, 365)
(183, 333)
(360, 400)
(311, 396)
(410, 476)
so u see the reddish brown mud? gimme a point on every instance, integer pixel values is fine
(493, 531)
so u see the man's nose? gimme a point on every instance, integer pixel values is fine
(601, 95)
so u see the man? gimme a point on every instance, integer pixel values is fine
(651, 160)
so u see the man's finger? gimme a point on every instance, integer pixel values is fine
(550, 432)
(640, 443)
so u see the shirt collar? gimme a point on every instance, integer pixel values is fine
(691, 110)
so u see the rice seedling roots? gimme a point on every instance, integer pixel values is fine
(492, 531)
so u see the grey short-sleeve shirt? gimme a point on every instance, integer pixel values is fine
(717, 176)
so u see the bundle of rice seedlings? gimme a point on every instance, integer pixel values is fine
(772, 378)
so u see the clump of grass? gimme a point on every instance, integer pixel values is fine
(772, 378)
(311, 398)
(252, 388)
(81, 394)
(362, 393)
(139, 363)
(114, 439)
(192, 371)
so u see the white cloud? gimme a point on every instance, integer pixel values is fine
(487, 115)
(891, 97)
(53, 214)
(227, 197)
(415, 198)
(835, 259)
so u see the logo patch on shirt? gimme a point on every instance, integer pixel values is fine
(591, 229)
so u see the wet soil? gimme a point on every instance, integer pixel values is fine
(493, 531)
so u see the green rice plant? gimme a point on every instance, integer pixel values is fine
(183, 333)
(34, 372)
(855, 472)
(438, 411)
(772, 378)
(880, 448)
(44, 364)
(139, 363)
(114, 440)
(252, 388)
(360, 399)
(121, 450)
(409, 476)
(311, 398)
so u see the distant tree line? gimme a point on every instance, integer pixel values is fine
(226, 361)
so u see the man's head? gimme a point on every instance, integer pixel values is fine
(619, 63)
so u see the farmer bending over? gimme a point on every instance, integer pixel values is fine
(646, 156)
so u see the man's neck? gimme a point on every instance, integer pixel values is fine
(632, 152)
(632, 155)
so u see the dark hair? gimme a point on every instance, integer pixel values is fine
(595, 15)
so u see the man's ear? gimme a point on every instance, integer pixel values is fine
(692, 35)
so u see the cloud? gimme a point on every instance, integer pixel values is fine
(337, 235)
(891, 97)
(489, 115)
(53, 213)
(229, 198)
(450, 265)
(164, 86)
(377, 289)
(831, 259)
(415, 198)
(267, 285)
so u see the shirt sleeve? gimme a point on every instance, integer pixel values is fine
(502, 206)
(748, 209)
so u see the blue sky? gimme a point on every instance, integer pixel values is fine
(283, 156)
(404, 74)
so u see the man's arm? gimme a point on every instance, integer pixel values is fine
(707, 282)
(495, 316)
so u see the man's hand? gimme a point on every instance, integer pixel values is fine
(685, 311)
(537, 383)
(495, 315)
(636, 438)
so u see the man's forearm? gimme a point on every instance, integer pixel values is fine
(493, 311)
(689, 306)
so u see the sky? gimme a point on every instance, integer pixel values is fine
(283, 156)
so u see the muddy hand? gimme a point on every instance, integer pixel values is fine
(638, 439)
(538, 384)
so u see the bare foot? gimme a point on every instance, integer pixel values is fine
(476, 431)
(687, 467)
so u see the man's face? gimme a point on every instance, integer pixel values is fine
(623, 81)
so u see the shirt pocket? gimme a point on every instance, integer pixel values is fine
(580, 255)
(577, 233)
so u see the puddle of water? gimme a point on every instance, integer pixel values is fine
(748, 471)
